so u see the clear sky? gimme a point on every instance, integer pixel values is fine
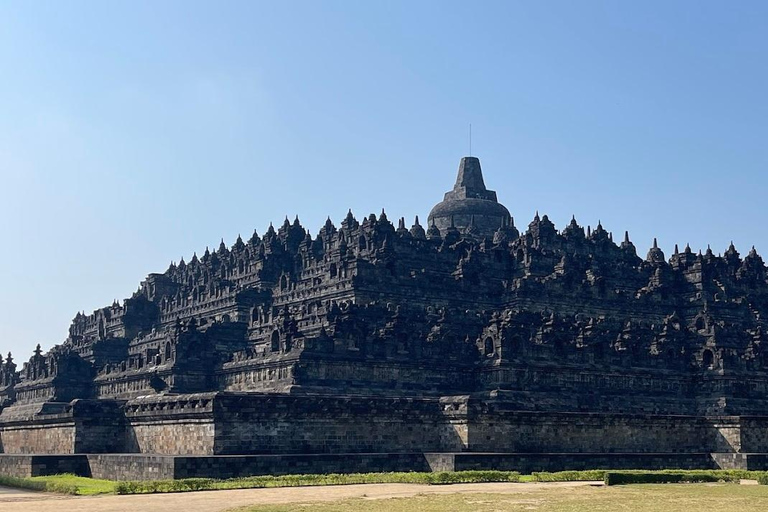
(134, 133)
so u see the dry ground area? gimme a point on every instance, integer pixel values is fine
(12, 499)
(496, 497)
(635, 498)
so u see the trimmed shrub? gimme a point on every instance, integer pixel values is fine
(196, 484)
(569, 476)
(672, 476)
(455, 477)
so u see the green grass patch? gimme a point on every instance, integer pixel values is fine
(84, 486)
(22, 483)
(64, 484)
(547, 498)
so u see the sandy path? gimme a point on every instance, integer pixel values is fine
(16, 500)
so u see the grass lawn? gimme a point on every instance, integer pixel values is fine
(635, 498)
(85, 486)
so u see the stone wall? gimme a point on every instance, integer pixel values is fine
(380, 376)
(226, 466)
(753, 434)
(530, 462)
(100, 426)
(535, 386)
(170, 435)
(132, 467)
(193, 437)
(81, 426)
(40, 438)
(530, 432)
(38, 428)
(171, 425)
(248, 424)
(22, 465)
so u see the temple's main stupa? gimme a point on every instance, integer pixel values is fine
(462, 343)
(470, 207)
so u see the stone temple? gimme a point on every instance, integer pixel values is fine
(371, 346)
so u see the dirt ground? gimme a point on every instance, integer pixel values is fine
(18, 500)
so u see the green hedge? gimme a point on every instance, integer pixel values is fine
(679, 476)
(197, 484)
(646, 476)
(568, 476)
(69, 484)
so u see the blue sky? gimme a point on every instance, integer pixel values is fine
(134, 133)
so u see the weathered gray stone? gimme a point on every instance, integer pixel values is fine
(544, 349)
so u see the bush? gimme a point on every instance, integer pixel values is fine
(680, 476)
(153, 486)
(451, 477)
(569, 476)
(196, 484)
